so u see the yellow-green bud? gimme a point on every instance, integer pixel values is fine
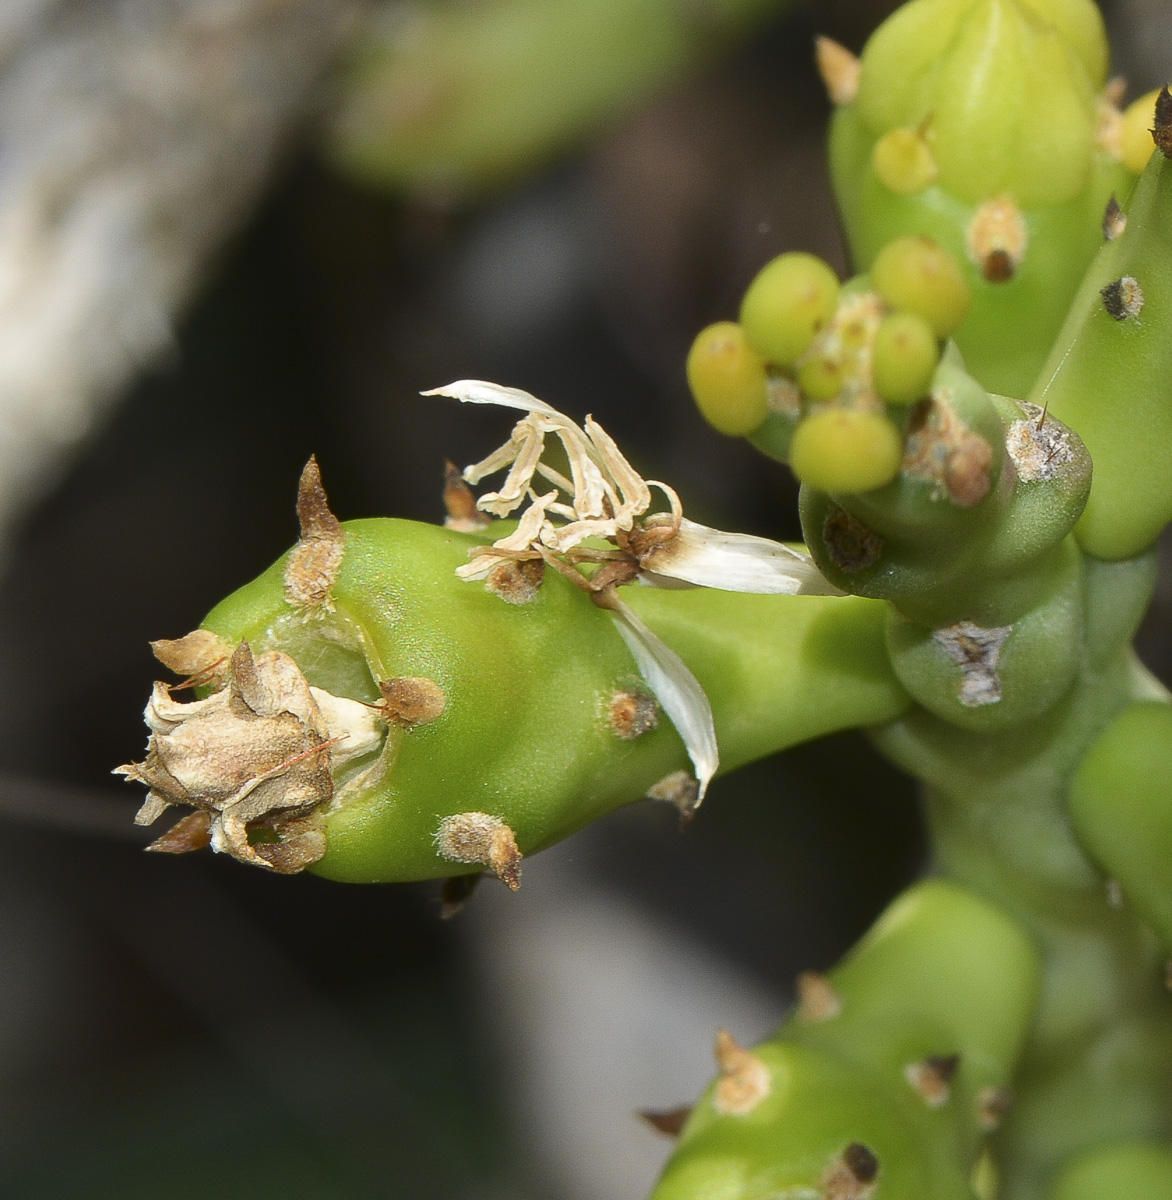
(791, 299)
(821, 377)
(903, 161)
(1008, 88)
(904, 358)
(727, 378)
(846, 450)
(919, 275)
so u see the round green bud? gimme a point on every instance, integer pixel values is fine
(903, 161)
(822, 377)
(727, 378)
(904, 358)
(919, 275)
(846, 450)
(791, 299)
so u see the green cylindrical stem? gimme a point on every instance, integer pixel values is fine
(885, 1078)
(1100, 1051)
(526, 735)
(1110, 375)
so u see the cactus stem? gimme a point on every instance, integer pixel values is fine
(315, 561)
(932, 1077)
(839, 68)
(1123, 298)
(478, 837)
(852, 1176)
(976, 651)
(817, 999)
(744, 1079)
(1114, 219)
(1114, 892)
(668, 1121)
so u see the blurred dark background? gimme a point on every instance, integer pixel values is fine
(188, 1028)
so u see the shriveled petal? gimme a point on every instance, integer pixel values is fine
(675, 687)
(532, 526)
(574, 534)
(478, 391)
(530, 442)
(636, 495)
(735, 562)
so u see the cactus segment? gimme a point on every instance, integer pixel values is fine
(888, 1090)
(390, 685)
(526, 735)
(1009, 96)
(1109, 375)
(1005, 97)
(1121, 806)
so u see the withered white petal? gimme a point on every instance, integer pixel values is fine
(736, 562)
(675, 687)
(478, 391)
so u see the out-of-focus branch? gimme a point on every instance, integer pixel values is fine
(134, 136)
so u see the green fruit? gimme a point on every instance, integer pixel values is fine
(790, 300)
(727, 378)
(918, 275)
(846, 450)
(905, 355)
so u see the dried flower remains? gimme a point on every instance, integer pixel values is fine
(595, 526)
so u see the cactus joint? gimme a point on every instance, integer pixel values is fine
(478, 837)
(744, 1079)
(313, 564)
(976, 651)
